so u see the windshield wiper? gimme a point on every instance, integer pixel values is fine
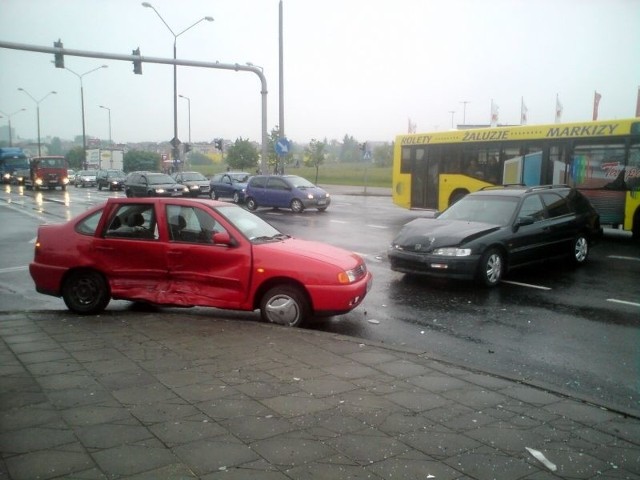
(277, 236)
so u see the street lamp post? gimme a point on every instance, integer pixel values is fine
(189, 107)
(37, 102)
(84, 135)
(9, 115)
(109, 110)
(174, 142)
(452, 112)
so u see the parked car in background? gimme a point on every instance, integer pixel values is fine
(489, 232)
(286, 191)
(198, 184)
(229, 185)
(193, 252)
(111, 179)
(85, 178)
(153, 184)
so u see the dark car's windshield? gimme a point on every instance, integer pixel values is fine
(496, 210)
(160, 179)
(193, 176)
(239, 177)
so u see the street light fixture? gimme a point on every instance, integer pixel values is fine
(189, 107)
(9, 115)
(174, 142)
(37, 102)
(109, 110)
(254, 65)
(84, 135)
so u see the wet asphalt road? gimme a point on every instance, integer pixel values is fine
(572, 331)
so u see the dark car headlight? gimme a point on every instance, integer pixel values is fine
(452, 252)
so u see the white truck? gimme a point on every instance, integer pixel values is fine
(105, 159)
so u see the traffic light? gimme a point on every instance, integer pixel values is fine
(137, 64)
(187, 147)
(363, 147)
(59, 58)
(218, 143)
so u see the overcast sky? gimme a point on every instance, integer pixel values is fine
(356, 67)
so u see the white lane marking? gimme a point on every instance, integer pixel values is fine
(624, 302)
(620, 257)
(338, 221)
(13, 269)
(382, 227)
(539, 287)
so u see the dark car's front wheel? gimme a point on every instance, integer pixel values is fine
(285, 305)
(580, 250)
(236, 197)
(86, 292)
(251, 203)
(491, 268)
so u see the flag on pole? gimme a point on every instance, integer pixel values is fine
(523, 112)
(558, 109)
(412, 127)
(596, 103)
(494, 114)
(638, 104)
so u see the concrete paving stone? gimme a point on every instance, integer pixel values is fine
(581, 412)
(324, 471)
(472, 420)
(487, 381)
(334, 420)
(97, 354)
(350, 370)
(397, 423)
(89, 346)
(9, 400)
(19, 383)
(478, 399)
(181, 378)
(417, 401)
(125, 380)
(132, 459)
(207, 456)
(77, 397)
(487, 464)
(35, 336)
(440, 443)
(108, 412)
(34, 347)
(47, 464)
(326, 386)
(372, 357)
(250, 429)
(79, 379)
(620, 426)
(42, 414)
(410, 469)
(34, 438)
(361, 399)
(66, 365)
(402, 368)
(164, 364)
(291, 373)
(291, 450)
(7, 369)
(149, 393)
(530, 395)
(150, 413)
(113, 365)
(234, 406)
(176, 471)
(179, 432)
(507, 438)
(44, 356)
(268, 389)
(205, 392)
(245, 473)
(436, 382)
(111, 435)
(291, 406)
(367, 449)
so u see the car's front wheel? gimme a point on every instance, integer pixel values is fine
(580, 250)
(128, 193)
(236, 197)
(296, 205)
(285, 305)
(491, 268)
(86, 292)
(252, 204)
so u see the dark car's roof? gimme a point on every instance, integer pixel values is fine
(518, 190)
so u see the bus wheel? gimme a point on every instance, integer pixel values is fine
(457, 195)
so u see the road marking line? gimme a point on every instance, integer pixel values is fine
(338, 221)
(539, 287)
(620, 257)
(13, 269)
(624, 302)
(382, 227)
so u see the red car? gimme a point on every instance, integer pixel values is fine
(193, 252)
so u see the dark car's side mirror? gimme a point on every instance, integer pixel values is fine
(525, 221)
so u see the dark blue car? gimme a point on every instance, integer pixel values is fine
(229, 185)
(285, 191)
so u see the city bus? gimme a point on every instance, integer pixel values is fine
(600, 158)
(12, 160)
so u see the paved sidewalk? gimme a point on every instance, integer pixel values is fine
(181, 395)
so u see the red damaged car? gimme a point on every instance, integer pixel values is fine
(193, 252)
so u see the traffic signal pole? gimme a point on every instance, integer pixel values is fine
(60, 52)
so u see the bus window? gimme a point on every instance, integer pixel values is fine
(405, 164)
(632, 173)
(558, 165)
(598, 166)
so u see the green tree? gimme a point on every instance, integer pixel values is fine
(140, 160)
(197, 158)
(75, 158)
(315, 154)
(242, 155)
(383, 155)
(350, 151)
(55, 147)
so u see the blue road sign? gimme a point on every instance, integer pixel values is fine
(282, 146)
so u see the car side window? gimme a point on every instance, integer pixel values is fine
(258, 182)
(227, 179)
(556, 205)
(277, 184)
(532, 207)
(191, 225)
(89, 225)
(133, 221)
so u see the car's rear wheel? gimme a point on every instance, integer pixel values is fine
(251, 204)
(580, 250)
(128, 193)
(214, 195)
(86, 292)
(296, 205)
(285, 305)
(491, 268)
(100, 186)
(236, 197)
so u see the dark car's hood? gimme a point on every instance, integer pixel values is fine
(434, 233)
